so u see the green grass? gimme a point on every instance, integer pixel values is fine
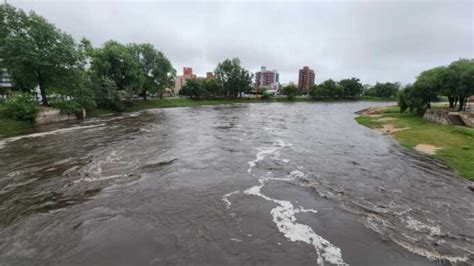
(456, 143)
(10, 127)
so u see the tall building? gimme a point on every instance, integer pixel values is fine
(187, 71)
(210, 75)
(267, 78)
(180, 81)
(306, 78)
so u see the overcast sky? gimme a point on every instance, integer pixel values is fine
(371, 40)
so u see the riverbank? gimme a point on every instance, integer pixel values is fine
(10, 127)
(452, 144)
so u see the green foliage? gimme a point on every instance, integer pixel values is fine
(409, 100)
(266, 95)
(234, 78)
(352, 88)
(116, 74)
(212, 88)
(290, 91)
(22, 107)
(69, 107)
(385, 90)
(35, 52)
(456, 82)
(193, 89)
(157, 70)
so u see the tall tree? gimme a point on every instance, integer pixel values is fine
(157, 70)
(233, 77)
(117, 74)
(352, 87)
(35, 51)
(463, 72)
(291, 90)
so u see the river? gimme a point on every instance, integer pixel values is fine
(244, 184)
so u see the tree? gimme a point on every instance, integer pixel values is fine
(315, 92)
(290, 91)
(328, 88)
(157, 70)
(352, 87)
(116, 73)
(234, 78)
(427, 87)
(35, 51)
(385, 90)
(409, 101)
(446, 80)
(212, 88)
(193, 89)
(463, 75)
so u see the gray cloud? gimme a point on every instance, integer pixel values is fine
(372, 40)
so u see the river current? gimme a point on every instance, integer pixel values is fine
(244, 184)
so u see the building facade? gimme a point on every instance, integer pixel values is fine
(5, 83)
(210, 75)
(306, 78)
(180, 81)
(267, 78)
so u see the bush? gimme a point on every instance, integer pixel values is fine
(266, 95)
(290, 91)
(22, 107)
(69, 107)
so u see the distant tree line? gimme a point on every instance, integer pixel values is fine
(344, 89)
(455, 81)
(37, 54)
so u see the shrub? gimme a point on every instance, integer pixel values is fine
(22, 107)
(69, 107)
(266, 95)
(290, 91)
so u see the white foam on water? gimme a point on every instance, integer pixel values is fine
(42, 134)
(284, 215)
(431, 255)
(297, 174)
(226, 196)
(94, 179)
(419, 226)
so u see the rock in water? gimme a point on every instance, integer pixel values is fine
(471, 187)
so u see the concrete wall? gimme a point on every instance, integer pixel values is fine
(437, 116)
(48, 115)
(467, 118)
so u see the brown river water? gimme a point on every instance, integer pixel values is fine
(245, 184)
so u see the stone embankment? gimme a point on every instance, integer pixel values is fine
(49, 115)
(446, 117)
(468, 118)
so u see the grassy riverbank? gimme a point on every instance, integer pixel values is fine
(452, 144)
(11, 127)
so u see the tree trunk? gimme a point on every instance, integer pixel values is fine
(144, 95)
(451, 102)
(461, 103)
(44, 98)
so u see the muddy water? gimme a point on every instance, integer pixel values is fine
(258, 184)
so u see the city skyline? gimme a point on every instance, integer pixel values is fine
(367, 40)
